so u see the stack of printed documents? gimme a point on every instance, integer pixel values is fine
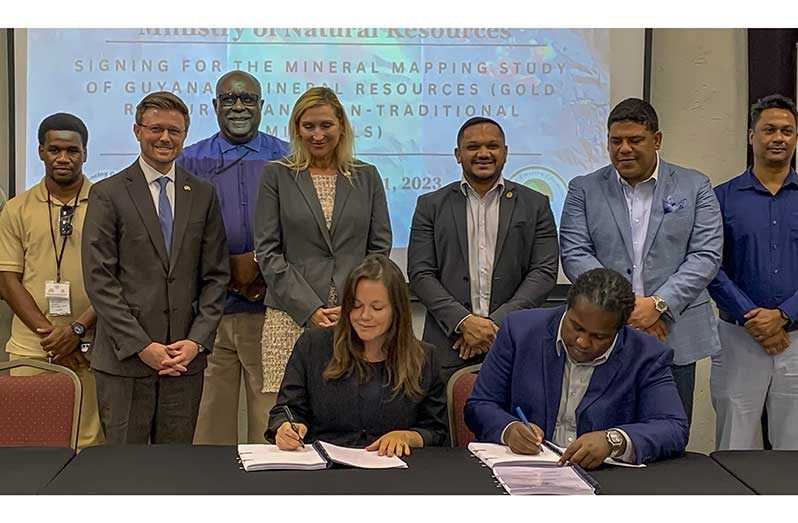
(522, 474)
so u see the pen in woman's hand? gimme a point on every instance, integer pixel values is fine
(291, 420)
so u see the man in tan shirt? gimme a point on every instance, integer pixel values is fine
(40, 235)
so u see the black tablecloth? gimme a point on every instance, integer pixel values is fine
(179, 469)
(690, 474)
(176, 469)
(764, 471)
(26, 470)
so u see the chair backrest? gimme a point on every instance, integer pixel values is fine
(41, 410)
(457, 391)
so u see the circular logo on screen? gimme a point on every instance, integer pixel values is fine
(542, 180)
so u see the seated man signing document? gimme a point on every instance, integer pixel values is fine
(585, 380)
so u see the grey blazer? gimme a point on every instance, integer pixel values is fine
(524, 269)
(296, 253)
(681, 253)
(141, 295)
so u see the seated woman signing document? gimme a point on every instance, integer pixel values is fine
(367, 382)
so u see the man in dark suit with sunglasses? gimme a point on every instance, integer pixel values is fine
(40, 265)
(156, 268)
(232, 161)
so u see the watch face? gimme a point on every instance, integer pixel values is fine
(615, 438)
(78, 329)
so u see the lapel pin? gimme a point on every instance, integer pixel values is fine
(187, 188)
(509, 194)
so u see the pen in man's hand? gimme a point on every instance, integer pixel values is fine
(291, 420)
(525, 421)
(543, 443)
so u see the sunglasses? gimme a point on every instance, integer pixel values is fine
(65, 220)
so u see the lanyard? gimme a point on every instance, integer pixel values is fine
(60, 256)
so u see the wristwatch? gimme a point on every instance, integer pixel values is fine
(615, 439)
(78, 328)
(659, 304)
(200, 348)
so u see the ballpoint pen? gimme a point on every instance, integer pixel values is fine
(526, 422)
(291, 420)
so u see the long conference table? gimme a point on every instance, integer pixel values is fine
(763, 471)
(27, 470)
(186, 469)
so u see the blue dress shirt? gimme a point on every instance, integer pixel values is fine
(234, 171)
(638, 202)
(760, 251)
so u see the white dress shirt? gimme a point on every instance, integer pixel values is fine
(152, 175)
(482, 214)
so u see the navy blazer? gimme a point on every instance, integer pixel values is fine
(633, 390)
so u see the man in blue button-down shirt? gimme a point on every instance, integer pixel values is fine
(232, 160)
(756, 288)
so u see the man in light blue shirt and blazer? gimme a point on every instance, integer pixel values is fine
(659, 225)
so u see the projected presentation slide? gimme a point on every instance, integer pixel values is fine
(407, 91)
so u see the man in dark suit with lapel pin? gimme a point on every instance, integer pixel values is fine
(479, 248)
(583, 379)
(156, 267)
(659, 225)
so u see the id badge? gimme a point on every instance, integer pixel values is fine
(57, 295)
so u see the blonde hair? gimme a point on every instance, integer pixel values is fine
(344, 154)
(404, 355)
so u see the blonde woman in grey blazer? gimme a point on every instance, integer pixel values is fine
(320, 212)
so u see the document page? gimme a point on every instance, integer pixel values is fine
(526, 480)
(269, 457)
(609, 461)
(493, 454)
(360, 458)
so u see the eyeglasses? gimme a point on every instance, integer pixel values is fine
(65, 220)
(228, 100)
(157, 130)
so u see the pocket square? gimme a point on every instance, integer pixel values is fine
(670, 205)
